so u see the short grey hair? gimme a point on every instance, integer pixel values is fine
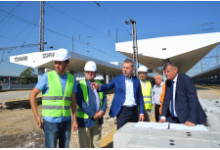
(158, 75)
(129, 61)
(172, 64)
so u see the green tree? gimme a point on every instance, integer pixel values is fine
(27, 75)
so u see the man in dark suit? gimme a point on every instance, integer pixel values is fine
(127, 103)
(181, 104)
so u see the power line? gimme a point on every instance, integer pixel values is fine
(75, 19)
(121, 8)
(99, 5)
(52, 31)
(22, 31)
(5, 37)
(16, 47)
(9, 15)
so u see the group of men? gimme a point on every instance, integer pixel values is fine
(85, 102)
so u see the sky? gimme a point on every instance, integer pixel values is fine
(89, 27)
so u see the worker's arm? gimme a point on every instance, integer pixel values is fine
(33, 103)
(73, 108)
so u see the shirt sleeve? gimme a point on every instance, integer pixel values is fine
(75, 86)
(42, 83)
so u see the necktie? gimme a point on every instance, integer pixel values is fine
(171, 107)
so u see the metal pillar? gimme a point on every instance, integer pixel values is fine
(135, 48)
(41, 70)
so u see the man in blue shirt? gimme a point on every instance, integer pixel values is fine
(58, 97)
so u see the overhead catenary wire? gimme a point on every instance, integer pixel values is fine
(123, 10)
(3, 20)
(21, 32)
(52, 31)
(79, 21)
(9, 38)
(99, 5)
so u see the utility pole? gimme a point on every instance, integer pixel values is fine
(41, 26)
(135, 48)
(41, 70)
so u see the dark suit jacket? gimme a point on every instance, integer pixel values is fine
(119, 98)
(187, 105)
(89, 109)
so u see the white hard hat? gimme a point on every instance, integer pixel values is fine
(90, 66)
(142, 69)
(62, 55)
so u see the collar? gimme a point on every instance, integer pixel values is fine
(175, 79)
(143, 81)
(126, 78)
(161, 84)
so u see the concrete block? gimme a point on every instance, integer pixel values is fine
(131, 136)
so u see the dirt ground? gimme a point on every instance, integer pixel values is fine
(19, 130)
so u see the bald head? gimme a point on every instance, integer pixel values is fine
(158, 79)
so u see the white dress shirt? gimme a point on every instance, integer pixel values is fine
(157, 90)
(129, 93)
(174, 95)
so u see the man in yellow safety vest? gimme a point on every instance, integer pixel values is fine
(90, 110)
(146, 91)
(58, 97)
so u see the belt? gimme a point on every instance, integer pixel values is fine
(132, 107)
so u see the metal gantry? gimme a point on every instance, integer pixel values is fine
(135, 47)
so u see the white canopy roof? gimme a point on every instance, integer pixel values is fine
(184, 50)
(46, 60)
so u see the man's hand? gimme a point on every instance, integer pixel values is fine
(141, 117)
(101, 113)
(75, 126)
(95, 85)
(96, 116)
(39, 123)
(188, 123)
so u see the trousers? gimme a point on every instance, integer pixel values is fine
(90, 137)
(127, 114)
(57, 131)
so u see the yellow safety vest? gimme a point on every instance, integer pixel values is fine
(80, 113)
(54, 103)
(147, 95)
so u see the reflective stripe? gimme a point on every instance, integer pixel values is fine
(56, 98)
(55, 107)
(146, 96)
